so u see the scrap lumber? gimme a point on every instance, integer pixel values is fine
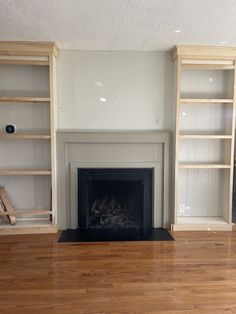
(2, 210)
(6, 205)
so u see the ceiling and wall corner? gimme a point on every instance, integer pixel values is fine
(114, 71)
(139, 25)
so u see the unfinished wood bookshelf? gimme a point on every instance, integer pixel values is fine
(204, 137)
(28, 160)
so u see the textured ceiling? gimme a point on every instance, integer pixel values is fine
(119, 24)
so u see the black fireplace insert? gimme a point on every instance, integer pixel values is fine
(115, 200)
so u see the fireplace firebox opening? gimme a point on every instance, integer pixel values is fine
(115, 199)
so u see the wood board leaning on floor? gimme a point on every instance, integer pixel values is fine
(6, 206)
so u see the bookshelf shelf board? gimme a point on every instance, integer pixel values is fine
(204, 136)
(14, 172)
(24, 99)
(203, 166)
(24, 136)
(24, 62)
(191, 101)
(26, 212)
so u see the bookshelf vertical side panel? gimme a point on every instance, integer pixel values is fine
(53, 104)
(176, 150)
(231, 177)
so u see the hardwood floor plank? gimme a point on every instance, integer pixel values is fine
(196, 273)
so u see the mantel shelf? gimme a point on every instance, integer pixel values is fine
(24, 99)
(206, 101)
(203, 166)
(25, 172)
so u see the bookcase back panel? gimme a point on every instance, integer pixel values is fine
(25, 154)
(24, 80)
(203, 193)
(205, 151)
(35, 116)
(206, 119)
(28, 192)
(207, 84)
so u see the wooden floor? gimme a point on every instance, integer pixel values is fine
(194, 274)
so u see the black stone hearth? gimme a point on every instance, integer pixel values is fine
(78, 235)
(115, 201)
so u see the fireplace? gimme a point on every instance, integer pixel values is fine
(115, 200)
(112, 149)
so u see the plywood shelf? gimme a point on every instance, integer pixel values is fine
(26, 213)
(24, 62)
(203, 166)
(206, 101)
(25, 136)
(13, 172)
(204, 136)
(24, 99)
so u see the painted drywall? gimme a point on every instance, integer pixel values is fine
(137, 87)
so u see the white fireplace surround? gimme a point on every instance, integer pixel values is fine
(111, 149)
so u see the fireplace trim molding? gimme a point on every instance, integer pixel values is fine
(66, 168)
(73, 213)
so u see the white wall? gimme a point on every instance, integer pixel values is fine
(137, 86)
